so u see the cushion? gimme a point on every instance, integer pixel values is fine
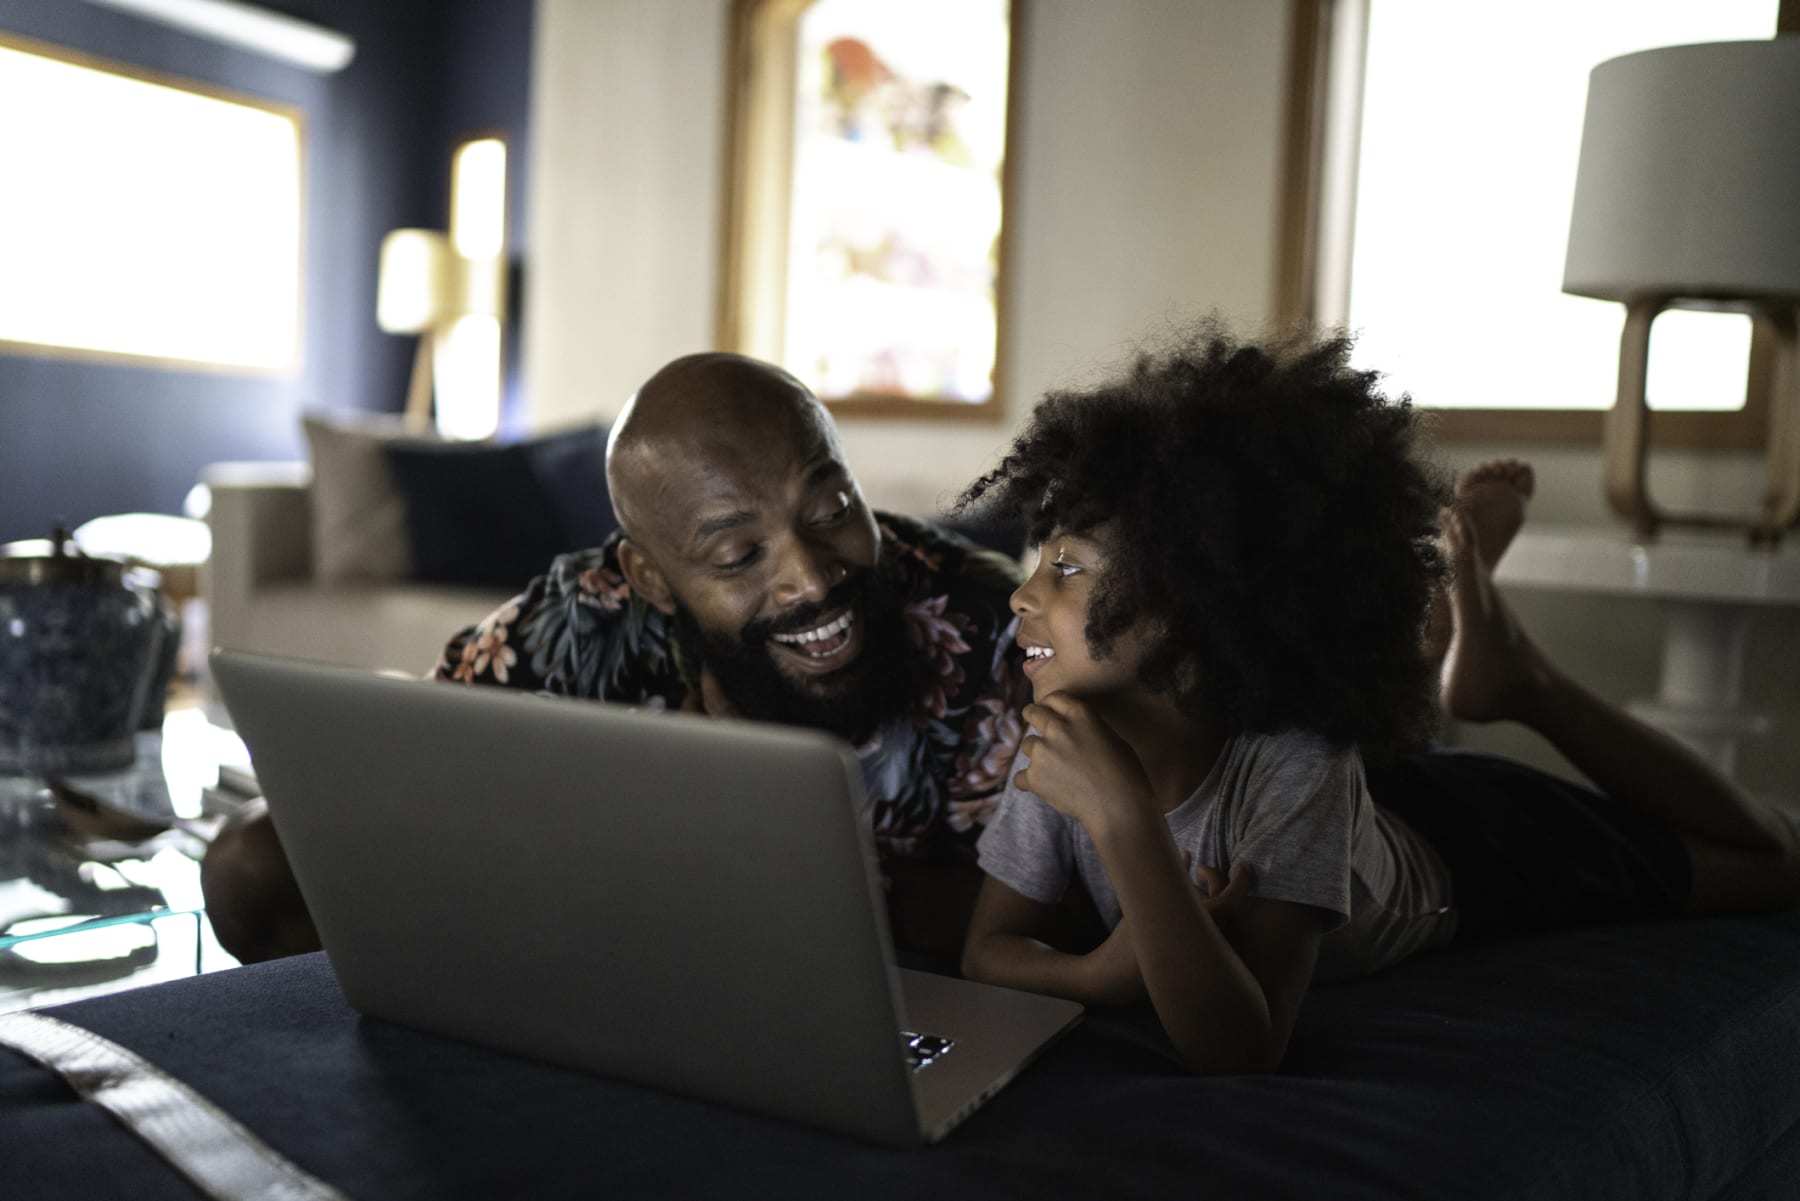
(497, 513)
(358, 513)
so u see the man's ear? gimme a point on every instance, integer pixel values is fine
(645, 578)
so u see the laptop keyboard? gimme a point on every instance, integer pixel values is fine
(921, 1050)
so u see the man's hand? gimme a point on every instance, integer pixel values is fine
(253, 903)
(1077, 764)
(709, 699)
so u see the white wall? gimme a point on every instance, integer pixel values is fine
(627, 132)
(1144, 186)
(1145, 181)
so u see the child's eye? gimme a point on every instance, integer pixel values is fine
(838, 509)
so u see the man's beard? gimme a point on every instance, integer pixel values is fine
(851, 702)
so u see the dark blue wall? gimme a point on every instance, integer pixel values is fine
(80, 438)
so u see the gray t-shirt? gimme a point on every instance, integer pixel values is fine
(1295, 808)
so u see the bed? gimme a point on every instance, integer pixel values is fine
(1638, 1061)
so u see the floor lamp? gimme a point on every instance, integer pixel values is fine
(1688, 196)
(450, 290)
(417, 295)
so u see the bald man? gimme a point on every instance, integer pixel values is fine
(750, 579)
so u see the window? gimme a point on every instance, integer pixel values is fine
(1445, 144)
(144, 217)
(866, 230)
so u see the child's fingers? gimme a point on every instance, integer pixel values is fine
(1243, 879)
(1218, 889)
(1055, 708)
(1039, 716)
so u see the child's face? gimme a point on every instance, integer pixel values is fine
(1052, 605)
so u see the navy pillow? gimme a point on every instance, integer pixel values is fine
(496, 513)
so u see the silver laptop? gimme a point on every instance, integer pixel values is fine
(683, 903)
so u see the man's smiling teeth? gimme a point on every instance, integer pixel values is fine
(1039, 652)
(824, 631)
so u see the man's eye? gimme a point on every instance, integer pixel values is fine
(1065, 570)
(839, 507)
(737, 559)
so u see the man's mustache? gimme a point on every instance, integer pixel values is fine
(811, 613)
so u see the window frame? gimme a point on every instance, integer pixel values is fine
(1301, 218)
(758, 172)
(296, 118)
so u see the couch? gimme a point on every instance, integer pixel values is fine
(264, 594)
(1644, 1062)
(388, 539)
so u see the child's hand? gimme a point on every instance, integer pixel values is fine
(1222, 898)
(1077, 764)
(1219, 891)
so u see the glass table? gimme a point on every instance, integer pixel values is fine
(100, 875)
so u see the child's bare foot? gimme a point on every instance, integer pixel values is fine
(1491, 669)
(1493, 496)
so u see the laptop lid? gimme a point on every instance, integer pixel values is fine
(685, 903)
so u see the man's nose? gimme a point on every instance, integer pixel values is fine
(808, 571)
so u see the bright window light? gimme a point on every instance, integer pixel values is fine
(146, 219)
(1471, 129)
(466, 357)
(466, 365)
(478, 198)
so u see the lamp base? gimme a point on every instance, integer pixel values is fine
(1626, 442)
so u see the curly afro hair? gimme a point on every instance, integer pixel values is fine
(1268, 519)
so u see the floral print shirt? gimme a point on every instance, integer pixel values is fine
(931, 779)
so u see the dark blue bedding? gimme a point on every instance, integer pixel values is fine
(1640, 1061)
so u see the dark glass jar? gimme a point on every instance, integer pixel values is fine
(80, 639)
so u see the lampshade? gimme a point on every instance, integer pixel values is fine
(1689, 178)
(417, 287)
(425, 284)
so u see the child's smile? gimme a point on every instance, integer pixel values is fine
(1052, 606)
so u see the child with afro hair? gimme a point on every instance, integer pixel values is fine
(1252, 595)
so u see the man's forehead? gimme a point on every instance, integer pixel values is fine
(749, 479)
(716, 489)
